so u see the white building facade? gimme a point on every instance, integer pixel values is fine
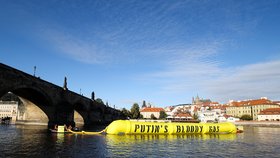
(207, 116)
(271, 114)
(9, 109)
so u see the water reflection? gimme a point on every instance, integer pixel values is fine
(124, 139)
(162, 145)
(59, 138)
(30, 141)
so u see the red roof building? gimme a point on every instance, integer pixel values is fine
(270, 111)
(270, 114)
(249, 107)
(147, 112)
(261, 101)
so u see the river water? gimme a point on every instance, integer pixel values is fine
(35, 141)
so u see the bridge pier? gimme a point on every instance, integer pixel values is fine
(63, 115)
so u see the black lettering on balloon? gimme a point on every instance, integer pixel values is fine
(136, 128)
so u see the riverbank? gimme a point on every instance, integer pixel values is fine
(36, 123)
(258, 123)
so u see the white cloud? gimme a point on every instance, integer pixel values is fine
(185, 68)
(83, 50)
(247, 82)
(195, 70)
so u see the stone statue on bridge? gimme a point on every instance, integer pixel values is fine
(65, 84)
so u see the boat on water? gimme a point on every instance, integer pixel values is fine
(58, 129)
(6, 120)
(63, 129)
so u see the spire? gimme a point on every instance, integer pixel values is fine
(144, 104)
(192, 100)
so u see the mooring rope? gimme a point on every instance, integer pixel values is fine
(88, 133)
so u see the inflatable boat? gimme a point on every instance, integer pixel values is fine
(138, 127)
(141, 127)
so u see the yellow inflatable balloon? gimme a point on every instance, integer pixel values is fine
(138, 127)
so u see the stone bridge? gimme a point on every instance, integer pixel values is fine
(58, 103)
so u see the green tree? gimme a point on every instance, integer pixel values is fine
(126, 113)
(195, 116)
(153, 117)
(135, 112)
(99, 101)
(246, 117)
(10, 97)
(162, 115)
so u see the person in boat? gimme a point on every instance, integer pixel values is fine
(69, 128)
(65, 127)
(55, 127)
(76, 129)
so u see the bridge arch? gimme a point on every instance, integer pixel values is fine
(91, 113)
(34, 95)
(81, 111)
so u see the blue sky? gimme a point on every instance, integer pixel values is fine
(164, 52)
